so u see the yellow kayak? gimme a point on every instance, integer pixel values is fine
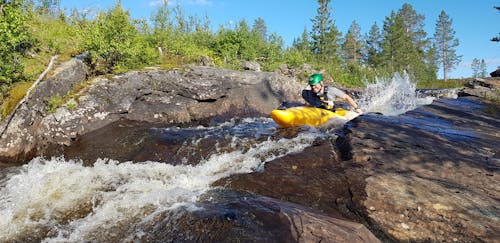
(304, 115)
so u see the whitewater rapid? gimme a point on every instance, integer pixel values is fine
(61, 200)
(70, 202)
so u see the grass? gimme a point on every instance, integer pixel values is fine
(54, 103)
(169, 62)
(16, 94)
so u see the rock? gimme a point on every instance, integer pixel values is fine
(251, 65)
(32, 127)
(319, 183)
(158, 96)
(207, 61)
(488, 88)
(495, 73)
(427, 175)
(247, 218)
(431, 173)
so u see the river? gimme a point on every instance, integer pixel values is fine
(110, 186)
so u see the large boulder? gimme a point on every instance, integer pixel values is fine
(429, 175)
(251, 65)
(27, 128)
(156, 96)
(487, 88)
(495, 73)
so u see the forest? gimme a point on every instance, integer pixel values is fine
(32, 31)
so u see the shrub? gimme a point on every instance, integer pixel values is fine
(113, 42)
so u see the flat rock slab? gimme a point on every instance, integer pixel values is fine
(431, 174)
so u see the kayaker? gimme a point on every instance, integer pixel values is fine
(322, 96)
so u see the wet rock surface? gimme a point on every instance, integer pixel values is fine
(236, 217)
(431, 174)
(158, 96)
(428, 175)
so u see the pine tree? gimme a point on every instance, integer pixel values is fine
(324, 34)
(395, 43)
(475, 65)
(373, 46)
(482, 68)
(418, 43)
(446, 42)
(302, 43)
(259, 26)
(353, 44)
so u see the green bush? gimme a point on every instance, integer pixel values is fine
(55, 36)
(113, 42)
(15, 40)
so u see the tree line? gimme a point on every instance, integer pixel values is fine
(114, 41)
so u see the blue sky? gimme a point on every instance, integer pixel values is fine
(475, 22)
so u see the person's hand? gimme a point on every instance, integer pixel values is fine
(359, 111)
(328, 103)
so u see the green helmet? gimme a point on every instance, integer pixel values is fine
(315, 79)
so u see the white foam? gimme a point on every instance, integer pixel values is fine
(392, 96)
(77, 203)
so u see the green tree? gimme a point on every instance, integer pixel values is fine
(478, 68)
(180, 21)
(49, 7)
(475, 65)
(299, 52)
(353, 44)
(394, 44)
(482, 68)
(113, 42)
(405, 46)
(325, 35)
(445, 44)
(161, 18)
(415, 58)
(249, 42)
(14, 42)
(272, 54)
(373, 46)
(301, 44)
(259, 27)
(238, 44)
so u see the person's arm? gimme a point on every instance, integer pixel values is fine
(307, 97)
(352, 103)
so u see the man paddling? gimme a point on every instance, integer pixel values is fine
(322, 96)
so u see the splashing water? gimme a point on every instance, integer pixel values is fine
(58, 200)
(393, 96)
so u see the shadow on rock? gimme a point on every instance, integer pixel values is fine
(432, 173)
(228, 216)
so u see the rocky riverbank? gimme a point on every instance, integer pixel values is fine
(429, 175)
(166, 97)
